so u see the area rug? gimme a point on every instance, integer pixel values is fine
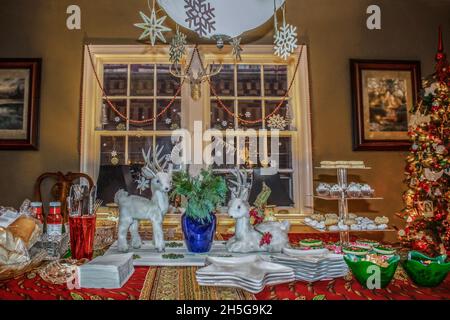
(179, 283)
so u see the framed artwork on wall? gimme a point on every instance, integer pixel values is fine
(19, 103)
(383, 93)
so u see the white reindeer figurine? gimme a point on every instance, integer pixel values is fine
(134, 208)
(248, 238)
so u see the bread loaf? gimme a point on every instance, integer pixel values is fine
(27, 229)
(12, 249)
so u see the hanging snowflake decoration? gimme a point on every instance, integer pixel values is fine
(237, 49)
(168, 121)
(142, 184)
(277, 122)
(200, 16)
(286, 41)
(114, 154)
(153, 27)
(248, 114)
(285, 38)
(224, 123)
(177, 47)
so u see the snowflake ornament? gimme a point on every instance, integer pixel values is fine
(200, 16)
(168, 121)
(248, 114)
(237, 49)
(114, 154)
(142, 184)
(153, 27)
(286, 41)
(224, 123)
(277, 122)
(177, 47)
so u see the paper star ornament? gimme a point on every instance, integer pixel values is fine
(153, 27)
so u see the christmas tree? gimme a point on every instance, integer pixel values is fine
(428, 165)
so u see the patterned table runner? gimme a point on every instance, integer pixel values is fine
(179, 283)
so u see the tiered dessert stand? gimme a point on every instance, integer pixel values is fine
(343, 202)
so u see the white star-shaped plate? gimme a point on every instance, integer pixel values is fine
(251, 273)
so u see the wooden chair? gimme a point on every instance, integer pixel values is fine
(60, 190)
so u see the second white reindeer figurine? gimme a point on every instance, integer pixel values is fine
(135, 208)
(247, 238)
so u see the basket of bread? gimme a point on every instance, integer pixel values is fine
(18, 234)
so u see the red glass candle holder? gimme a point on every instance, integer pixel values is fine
(82, 232)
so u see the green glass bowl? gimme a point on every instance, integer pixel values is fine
(423, 275)
(361, 271)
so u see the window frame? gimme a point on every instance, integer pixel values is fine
(91, 132)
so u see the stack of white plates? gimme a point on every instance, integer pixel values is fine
(313, 265)
(250, 273)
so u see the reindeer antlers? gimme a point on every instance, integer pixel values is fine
(242, 185)
(154, 163)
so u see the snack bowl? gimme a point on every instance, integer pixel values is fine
(426, 271)
(364, 270)
(365, 243)
(355, 251)
(385, 250)
(311, 243)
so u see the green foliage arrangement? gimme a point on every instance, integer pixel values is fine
(203, 193)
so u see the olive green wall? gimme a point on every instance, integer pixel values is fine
(334, 30)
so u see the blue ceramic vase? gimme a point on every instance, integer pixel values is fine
(198, 235)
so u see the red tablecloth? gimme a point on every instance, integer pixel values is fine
(32, 287)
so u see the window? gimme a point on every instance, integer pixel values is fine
(139, 92)
(138, 83)
(253, 92)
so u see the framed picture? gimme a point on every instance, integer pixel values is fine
(383, 94)
(19, 103)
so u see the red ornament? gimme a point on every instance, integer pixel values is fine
(420, 245)
(265, 239)
(257, 216)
